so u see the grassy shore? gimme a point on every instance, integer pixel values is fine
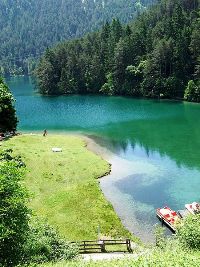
(64, 186)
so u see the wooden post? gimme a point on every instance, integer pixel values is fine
(128, 243)
(99, 232)
(102, 245)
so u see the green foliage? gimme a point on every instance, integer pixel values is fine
(44, 244)
(108, 87)
(159, 235)
(65, 186)
(192, 92)
(29, 27)
(8, 119)
(155, 56)
(134, 76)
(173, 254)
(14, 214)
(23, 239)
(189, 232)
(6, 155)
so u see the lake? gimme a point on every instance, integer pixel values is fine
(154, 146)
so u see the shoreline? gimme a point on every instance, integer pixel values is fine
(118, 170)
(83, 199)
(116, 174)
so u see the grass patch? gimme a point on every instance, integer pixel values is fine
(65, 187)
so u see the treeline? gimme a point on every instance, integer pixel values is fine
(155, 56)
(28, 27)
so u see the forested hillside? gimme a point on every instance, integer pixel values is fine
(156, 56)
(28, 27)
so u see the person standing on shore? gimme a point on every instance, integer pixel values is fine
(45, 133)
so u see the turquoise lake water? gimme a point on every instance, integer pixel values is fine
(155, 146)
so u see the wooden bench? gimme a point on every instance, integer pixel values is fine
(100, 245)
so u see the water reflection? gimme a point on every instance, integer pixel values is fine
(155, 146)
(143, 180)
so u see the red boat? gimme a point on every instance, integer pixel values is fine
(168, 216)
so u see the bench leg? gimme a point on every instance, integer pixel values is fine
(103, 248)
(128, 244)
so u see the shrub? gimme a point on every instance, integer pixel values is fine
(14, 214)
(108, 87)
(189, 232)
(159, 235)
(8, 119)
(192, 92)
(44, 244)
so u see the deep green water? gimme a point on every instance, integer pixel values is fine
(155, 145)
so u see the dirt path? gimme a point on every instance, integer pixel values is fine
(108, 256)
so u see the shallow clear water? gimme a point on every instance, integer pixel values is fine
(155, 146)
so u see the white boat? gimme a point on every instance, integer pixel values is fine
(193, 208)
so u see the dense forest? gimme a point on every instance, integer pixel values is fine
(28, 27)
(157, 55)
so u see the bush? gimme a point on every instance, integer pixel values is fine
(108, 87)
(14, 214)
(44, 244)
(192, 92)
(6, 155)
(8, 119)
(160, 237)
(189, 232)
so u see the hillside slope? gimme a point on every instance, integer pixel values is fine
(28, 27)
(155, 56)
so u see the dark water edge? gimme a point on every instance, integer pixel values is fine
(153, 145)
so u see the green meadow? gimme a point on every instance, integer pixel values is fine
(64, 187)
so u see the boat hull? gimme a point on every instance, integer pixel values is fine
(168, 217)
(164, 221)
